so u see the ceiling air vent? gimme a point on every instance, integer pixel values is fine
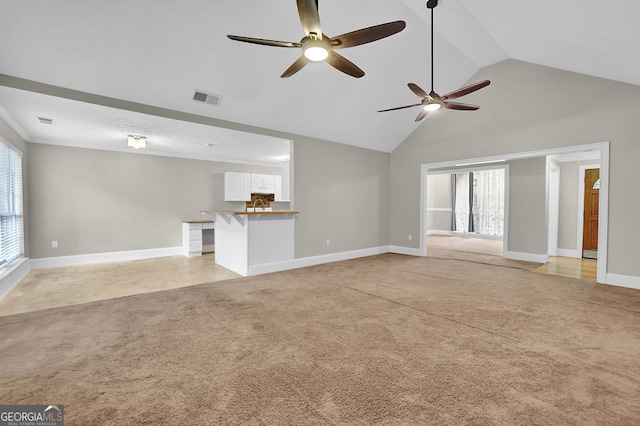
(208, 98)
(45, 120)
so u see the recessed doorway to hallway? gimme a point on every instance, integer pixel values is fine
(590, 213)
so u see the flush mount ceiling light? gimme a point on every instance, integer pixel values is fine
(316, 46)
(432, 101)
(137, 142)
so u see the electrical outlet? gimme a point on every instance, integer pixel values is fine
(410, 237)
(328, 242)
(54, 244)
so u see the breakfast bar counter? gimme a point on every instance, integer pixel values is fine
(247, 242)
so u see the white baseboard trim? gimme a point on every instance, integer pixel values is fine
(117, 256)
(303, 262)
(568, 253)
(628, 281)
(527, 257)
(13, 274)
(461, 234)
(410, 251)
(440, 232)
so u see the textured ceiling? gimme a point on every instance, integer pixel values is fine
(158, 52)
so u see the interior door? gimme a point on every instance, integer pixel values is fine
(591, 203)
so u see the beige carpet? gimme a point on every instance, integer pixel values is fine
(388, 339)
(486, 251)
(469, 244)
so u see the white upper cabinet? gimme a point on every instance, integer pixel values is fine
(263, 184)
(237, 186)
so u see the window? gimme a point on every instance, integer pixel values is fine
(11, 216)
(479, 202)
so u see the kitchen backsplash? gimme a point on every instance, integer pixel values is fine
(266, 198)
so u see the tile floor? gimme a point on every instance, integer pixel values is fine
(55, 287)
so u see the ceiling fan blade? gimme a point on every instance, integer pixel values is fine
(422, 114)
(402, 107)
(295, 67)
(417, 90)
(460, 106)
(343, 64)
(466, 90)
(264, 42)
(367, 35)
(309, 17)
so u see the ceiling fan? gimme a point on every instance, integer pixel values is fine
(432, 101)
(316, 46)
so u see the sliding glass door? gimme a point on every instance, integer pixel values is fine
(479, 202)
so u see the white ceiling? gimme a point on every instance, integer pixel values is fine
(158, 52)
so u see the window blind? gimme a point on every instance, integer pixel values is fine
(11, 214)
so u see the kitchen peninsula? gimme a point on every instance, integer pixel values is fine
(245, 240)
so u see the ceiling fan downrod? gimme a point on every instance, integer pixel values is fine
(431, 4)
(432, 101)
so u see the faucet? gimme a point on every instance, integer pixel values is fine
(261, 202)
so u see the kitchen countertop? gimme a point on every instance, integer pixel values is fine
(248, 213)
(198, 221)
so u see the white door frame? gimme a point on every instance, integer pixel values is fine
(554, 209)
(603, 211)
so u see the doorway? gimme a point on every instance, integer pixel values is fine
(590, 213)
(468, 202)
(588, 228)
(601, 147)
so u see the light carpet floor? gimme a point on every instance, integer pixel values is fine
(388, 339)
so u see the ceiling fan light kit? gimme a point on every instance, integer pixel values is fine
(317, 47)
(432, 101)
(316, 50)
(433, 106)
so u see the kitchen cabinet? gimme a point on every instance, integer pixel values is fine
(192, 237)
(237, 186)
(263, 184)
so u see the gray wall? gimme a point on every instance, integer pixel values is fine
(439, 202)
(530, 107)
(527, 206)
(342, 193)
(93, 201)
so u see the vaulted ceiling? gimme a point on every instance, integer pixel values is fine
(157, 53)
